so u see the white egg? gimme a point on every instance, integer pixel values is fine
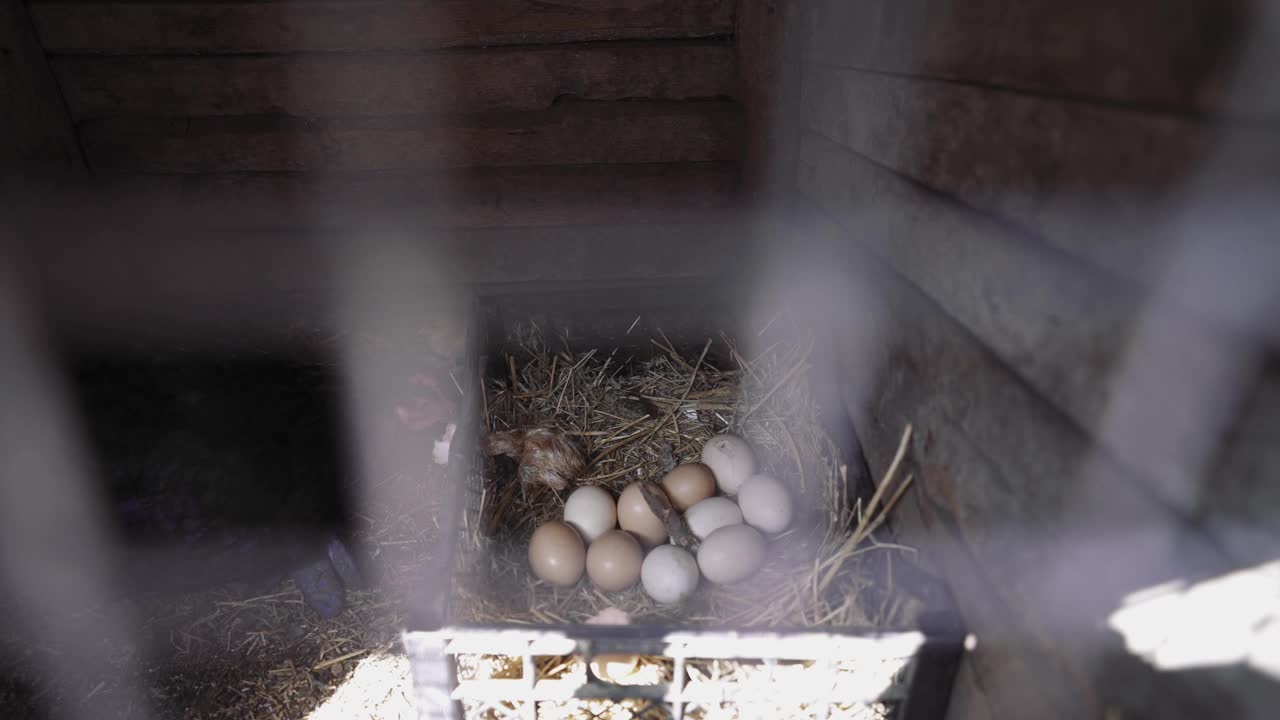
(669, 574)
(591, 511)
(765, 504)
(712, 514)
(731, 554)
(731, 460)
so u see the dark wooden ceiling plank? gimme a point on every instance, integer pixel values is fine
(363, 25)
(410, 201)
(36, 133)
(574, 133)
(393, 84)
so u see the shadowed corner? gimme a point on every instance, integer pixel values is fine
(56, 546)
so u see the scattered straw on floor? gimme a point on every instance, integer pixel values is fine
(623, 412)
(228, 653)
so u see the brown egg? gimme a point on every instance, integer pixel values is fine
(635, 517)
(689, 484)
(613, 561)
(557, 554)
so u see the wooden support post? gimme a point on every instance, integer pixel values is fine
(36, 133)
(769, 87)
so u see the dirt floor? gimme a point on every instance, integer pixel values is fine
(229, 653)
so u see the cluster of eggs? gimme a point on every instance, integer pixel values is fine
(620, 543)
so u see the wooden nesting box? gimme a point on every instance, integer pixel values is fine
(480, 599)
(1042, 233)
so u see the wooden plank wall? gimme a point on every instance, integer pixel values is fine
(1020, 176)
(511, 141)
(768, 39)
(181, 28)
(265, 289)
(404, 95)
(36, 133)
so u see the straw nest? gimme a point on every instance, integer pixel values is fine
(625, 412)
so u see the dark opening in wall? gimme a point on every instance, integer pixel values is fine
(217, 467)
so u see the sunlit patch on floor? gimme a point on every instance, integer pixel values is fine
(379, 687)
(1227, 620)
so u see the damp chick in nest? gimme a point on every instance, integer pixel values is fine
(545, 456)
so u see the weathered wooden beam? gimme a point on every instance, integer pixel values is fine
(570, 133)
(1070, 333)
(89, 26)
(969, 696)
(36, 133)
(1180, 54)
(1097, 182)
(393, 84)
(501, 197)
(769, 41)
(1056, 322)
(116, 283)
(1039, 533)
(1249, 455)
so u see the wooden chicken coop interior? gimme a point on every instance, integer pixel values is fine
(1042, 233)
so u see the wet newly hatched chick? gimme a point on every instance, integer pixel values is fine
(544, 455)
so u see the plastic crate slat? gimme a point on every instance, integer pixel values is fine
(801, 646)
(517, 690)
(729, 691)
(509, 643)
(703, 692)
(805, 646)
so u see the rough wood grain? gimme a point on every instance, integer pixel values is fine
(768, 41)
(405, 201)
(1250, 456)
(1038, 532)
(116, 283)
(36, 134)
(1054, 527)
(361, 25)
(393, 84)
(968, 698)
(1180, 54)
(1100, 183)
(1082, 341)
(561, 257)
(944, 517)
(572, 133)
(1053, 320)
